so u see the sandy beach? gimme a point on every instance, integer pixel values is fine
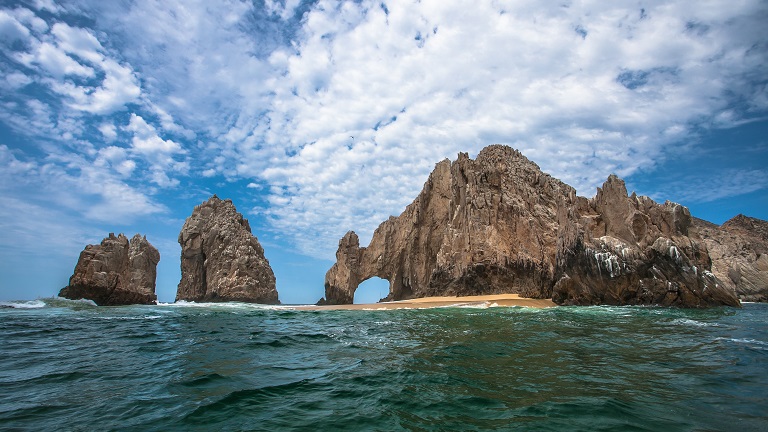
(432, 302)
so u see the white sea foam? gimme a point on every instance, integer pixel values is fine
(41, 303)
(746, 341)
(690, 322)
(224, 305)
(23, 304)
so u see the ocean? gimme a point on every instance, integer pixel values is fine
(71, 366)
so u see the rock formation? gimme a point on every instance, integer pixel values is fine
(221, 260)
(115, 272)
(739, 252)
(498, 224)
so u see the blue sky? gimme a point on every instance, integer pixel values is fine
(317, 117)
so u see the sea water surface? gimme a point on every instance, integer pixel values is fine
(68, 365)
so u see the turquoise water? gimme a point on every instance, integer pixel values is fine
(71, 366)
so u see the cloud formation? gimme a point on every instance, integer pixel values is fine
(374, 94)
(332, 114)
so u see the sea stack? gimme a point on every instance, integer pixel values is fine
(221, 260)
(498, 224)
(115, 272)
(739, 252)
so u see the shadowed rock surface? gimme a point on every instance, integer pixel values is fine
(221, 260)
(498, 224)
(115, 272)
(739, 252)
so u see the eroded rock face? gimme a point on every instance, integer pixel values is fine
(498, 224)
(221, 260)
(739, 252)
(115, 272)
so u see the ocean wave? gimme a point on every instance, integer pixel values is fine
(23, 304)
(690, 322)
(746, 341)
(41, 303)
(224, 305)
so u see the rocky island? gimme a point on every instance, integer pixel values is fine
(115, 272)
(221, 260)
(498, 224)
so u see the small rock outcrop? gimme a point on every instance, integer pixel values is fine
(221, 260)
(115, 272)
(498, 224)
(739, 252)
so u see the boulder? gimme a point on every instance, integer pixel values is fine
(221, 260)
(498, 224)
(115, 272)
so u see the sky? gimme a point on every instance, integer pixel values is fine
(319, 117)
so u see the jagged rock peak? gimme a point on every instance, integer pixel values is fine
(739, 252)
(754, 226)
(498, 224)
(115, 272)
(221, 260)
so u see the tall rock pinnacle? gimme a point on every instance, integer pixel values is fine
(221, 260)
(115, 272)
(498, 224)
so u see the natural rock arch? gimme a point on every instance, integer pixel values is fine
(498, 224)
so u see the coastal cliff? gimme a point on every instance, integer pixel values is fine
(498, 224)
(221, 260)
(115, 272)
(739, 252)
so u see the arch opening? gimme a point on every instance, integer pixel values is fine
(371, 291)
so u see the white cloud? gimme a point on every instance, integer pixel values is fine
(12, 166)
(55, 61)
(78, 41)
(71, 182)
(109, 131)
(16, 80)
(371, 99)
(159, 153)
(66, 56)
(146, 140)
(10, 29)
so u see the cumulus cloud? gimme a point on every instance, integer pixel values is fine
(73, 63)
(159, 153)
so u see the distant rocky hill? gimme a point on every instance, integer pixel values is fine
(498, 224)
(221, 260)
(115, 272)
(739, 252)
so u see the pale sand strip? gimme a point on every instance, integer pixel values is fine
(432, 302)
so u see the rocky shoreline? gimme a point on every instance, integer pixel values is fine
(489, 226)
